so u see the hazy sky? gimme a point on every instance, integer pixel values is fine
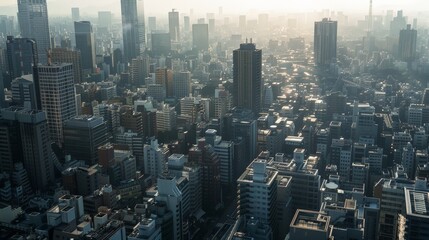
(155, 7)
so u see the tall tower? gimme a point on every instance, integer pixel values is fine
(141, 26)
(174, 26)
(370, 20)
(407, 44)
(247, 77)
(130, 29)
(33, 22)
(325, 42)
(85, 42)
(21, 56)
(56, 96)
(75, 14)
(200, 37)
(31, 138)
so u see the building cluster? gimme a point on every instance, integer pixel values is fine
(131, 130)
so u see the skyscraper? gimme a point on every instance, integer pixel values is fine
(161, 43)
(105, 19)
(33, 22)
(325, 42)
(65, 55)
(31, 139)
(82, 137)
(57, 96)
(200, 37)
(85, 42)
(21, 56)
(174, 25)
(407, 44)
(247, 86)
(75, 14)
(133, 28)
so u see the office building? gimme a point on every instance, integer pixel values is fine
(257, 193)
(85, 42)
(414, 223)
(33, 22)
(182, 84)
(23, 92)
(82, 137)
(172, 197)
(200, 37)
(222, 102)
(161, 43)
(105, 20)
(139, 70)
(151, 24)
(310, 225)
(130, 29)
(66, 55)
(155, 158)
(28, 142)
(397, 24)
(146, 229)
(247, 86)
(407, 44)
(325, 42)
(174, 26)
(55, 84)
(204, 155)
(75, 14)
(22, 55)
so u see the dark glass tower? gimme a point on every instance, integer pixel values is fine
(21, 56)
(325, 42)
(85, 42)
(133, 28)
(248, 77)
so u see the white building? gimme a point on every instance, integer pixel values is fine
(155, 158)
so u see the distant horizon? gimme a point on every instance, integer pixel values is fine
(154, 8)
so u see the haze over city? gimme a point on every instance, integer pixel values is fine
(208, 120)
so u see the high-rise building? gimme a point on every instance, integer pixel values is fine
(186, 24)
(414, 222)
(141, 26)
(204, 155)
(155, 158)
(310, 224)
(182, 84)
(139, 70)
(247, 73)
(174, 25)
(325, 42)
(397, 24)
(33, 22)
(257, 193)
(407, 44)
(161, 43)
(130, 29)
(200, 37)
(242, 23)
(23, 92)
(30, 141)
(166, 118)
(65, 55)
(56, 96)
(82, 137)
(22, 55)
(105, 19)
(75, 14)
(85, 42)
(151, 24)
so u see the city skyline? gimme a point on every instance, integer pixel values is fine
(62, 7)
